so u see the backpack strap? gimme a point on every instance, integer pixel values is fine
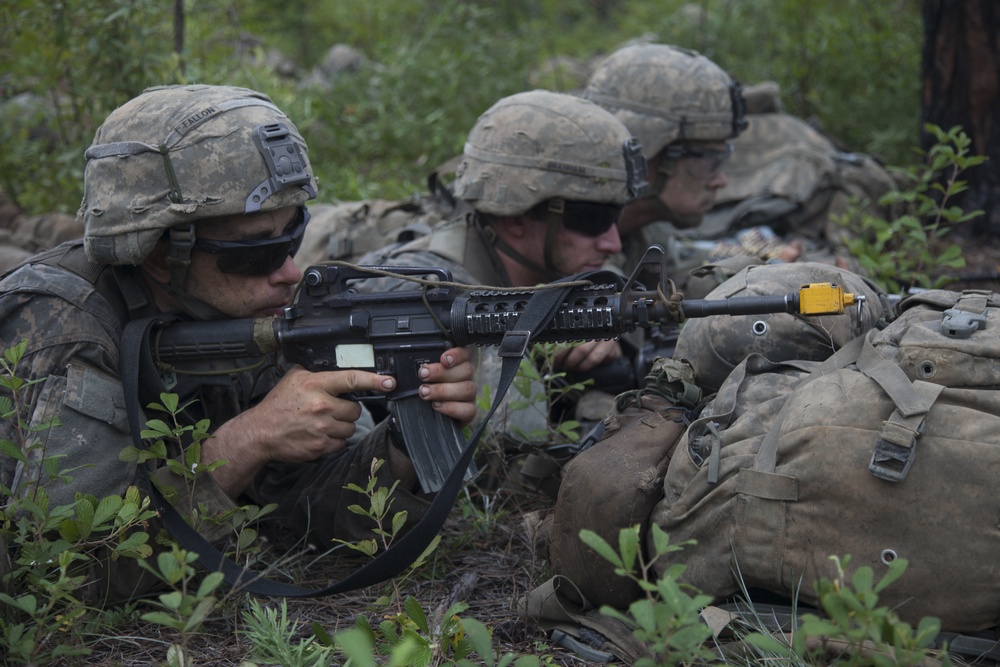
(896, 444)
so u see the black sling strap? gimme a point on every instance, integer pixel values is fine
(136, 357)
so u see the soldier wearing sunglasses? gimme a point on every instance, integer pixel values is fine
(539, 191)
(194, 206)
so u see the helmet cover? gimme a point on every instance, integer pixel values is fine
(539, 145)
(664, 94)
(177, 154)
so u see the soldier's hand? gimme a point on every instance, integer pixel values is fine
(587, 356)
(305, 416)
(448, 385)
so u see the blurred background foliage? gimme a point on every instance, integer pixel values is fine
(426, 71)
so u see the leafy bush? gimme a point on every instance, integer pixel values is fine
(912, 249)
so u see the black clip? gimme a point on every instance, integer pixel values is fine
(515, 343)
(636, 170)
(286, 162)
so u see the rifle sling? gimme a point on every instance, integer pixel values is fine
(136, 352)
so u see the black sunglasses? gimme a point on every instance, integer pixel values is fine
(587, 218)
(259, 257)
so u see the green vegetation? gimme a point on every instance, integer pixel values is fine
(430, 70)
(911, 248)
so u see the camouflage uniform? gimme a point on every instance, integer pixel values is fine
(73, 327)
(72, 303)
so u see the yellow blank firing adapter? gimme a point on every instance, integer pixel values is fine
(825, 299)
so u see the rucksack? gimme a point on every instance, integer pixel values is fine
(889, 449)
(786, 175)
(349, 230)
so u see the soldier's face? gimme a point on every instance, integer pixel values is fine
(572, 251)
(237, 294)
(693, 180)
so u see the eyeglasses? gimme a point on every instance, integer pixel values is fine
(588, 218)
(702, 164)
(258, 257)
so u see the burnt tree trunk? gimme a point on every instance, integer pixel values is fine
(961, 86)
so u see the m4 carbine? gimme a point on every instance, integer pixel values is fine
(332, 326)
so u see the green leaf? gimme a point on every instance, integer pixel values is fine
(161, 618)
(172, 600)
(106, 509)
(357, 645)
(481, 639)
(896, 569)
(769, 644)
(26, 603)
(197, 616)
(415, 613)
(603, 549)
(9, 449)
(157, 428)
(628, 546)
(210, 583)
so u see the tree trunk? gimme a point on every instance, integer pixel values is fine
(961, 86)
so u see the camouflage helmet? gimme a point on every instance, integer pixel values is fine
(715, 345)
(177, 154)
(665, 94)
(539, 145)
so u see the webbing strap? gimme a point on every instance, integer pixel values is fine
(391, 562)
(767, 456)
(896, 444)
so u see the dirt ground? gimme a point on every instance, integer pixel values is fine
(486, 561)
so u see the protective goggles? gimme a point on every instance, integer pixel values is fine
(702, 164)
(258, 257)
(587, 218)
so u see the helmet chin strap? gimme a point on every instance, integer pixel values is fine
(178, 261)
(548, 271)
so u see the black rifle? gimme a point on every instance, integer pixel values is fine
(332, 326)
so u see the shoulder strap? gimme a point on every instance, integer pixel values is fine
(136, 352)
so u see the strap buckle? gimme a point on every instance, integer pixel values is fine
(895, 450)
(957, 323)
(515, 343)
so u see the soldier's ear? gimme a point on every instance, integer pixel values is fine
(510, 227)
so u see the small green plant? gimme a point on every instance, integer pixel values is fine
(668, 618)
(385, 528)
(179, 447)
(541, 388)
(911, 250)
(52, 548)
(189, 602)
(410, 638)
(272, 635)
(854, 629)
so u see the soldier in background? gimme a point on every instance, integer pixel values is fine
(738, 182)
(22, 235)
(685, 111)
